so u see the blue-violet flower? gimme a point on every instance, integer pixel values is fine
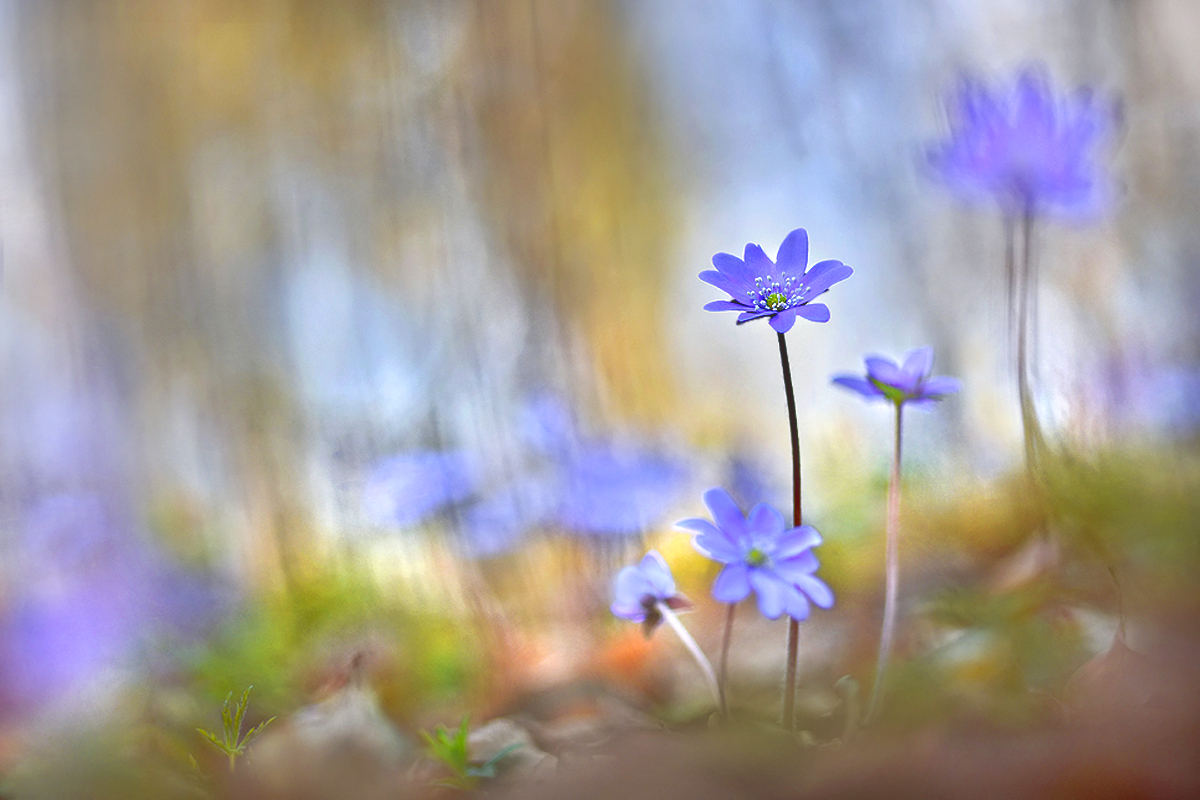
(780, 290)
(906, 383)
(760, 554)
(638, 591)
(1029, 150)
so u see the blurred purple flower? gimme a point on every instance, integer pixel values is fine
(1029, 150)
(907, 383)
(96, 592)
(781, 290)
(409, 488)
(761, 554)
(638, 591)
(612, 490)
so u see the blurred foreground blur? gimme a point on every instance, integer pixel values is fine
(349, 349)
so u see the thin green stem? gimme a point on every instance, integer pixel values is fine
(1031, 428)
(793, 642)
(723, 682)
(891, 591)
(710, 677)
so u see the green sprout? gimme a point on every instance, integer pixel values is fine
(232, 743)
(451, 749)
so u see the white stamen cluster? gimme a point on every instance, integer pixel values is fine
(769, 294)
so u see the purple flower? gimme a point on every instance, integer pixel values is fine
(780, 290)
(610, 490)
(909, 383)
(1029, 150)
(760, 554)
(639, 590)
(407, 489)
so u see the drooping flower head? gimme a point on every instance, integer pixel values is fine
(780, 290)
(1027, 149)
(909, 382)
(760, 554)
(639, 590)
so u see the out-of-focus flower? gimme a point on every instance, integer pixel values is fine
(781, 290)
(907, 383)
(613, 490)
(1028, 149)
(760, 554)
(409, 488)
(97, 594)
(639, 590)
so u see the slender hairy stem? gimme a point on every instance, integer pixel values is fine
(1029, 420)
(1010, 280)
(893, 573)
(793, 642)
(710, 677)
(724, 680)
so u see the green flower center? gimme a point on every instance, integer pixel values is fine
(776, 301)
(891, 392)
(756, 557)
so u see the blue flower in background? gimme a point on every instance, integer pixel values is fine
(597, 487)
(610, 490)
(760, 554)
(101, 594)
(780, 290)
(638, 591)
(906, 383)
(409, 488)
(1028, 149)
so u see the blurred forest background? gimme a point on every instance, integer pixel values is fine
(295, 292)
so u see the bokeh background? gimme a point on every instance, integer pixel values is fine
(374, 326)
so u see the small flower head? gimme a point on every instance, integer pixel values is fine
(907, 383)
(760, 554)
(640, 590)
(1027, 149)
(780, 290)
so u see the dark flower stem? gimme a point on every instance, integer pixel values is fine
(723, 680)
(793, 642)
(893, 573)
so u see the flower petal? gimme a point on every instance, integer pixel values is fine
(732, 585)
(793, 253)
(723, 282)
(725, 511)
(633, 613)
(817, 591)
(857, 384)
(758, 262)
(725, 305)
(940, 386)
(793, 568)
(771, 591)
(784, 320)
(656, 572)
(737, 271)
(796, 604)
(796, 541)
(918, 363)
(765, 519)
(814, 312)
(885, 371)
(823, 275)
(628, 590)
(749, 315)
